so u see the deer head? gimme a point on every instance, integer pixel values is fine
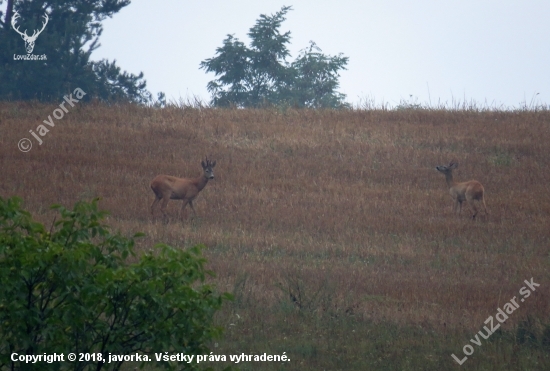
(207, 167)
(29, 40)
(448, 169)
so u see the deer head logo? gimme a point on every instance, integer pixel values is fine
(29, 40)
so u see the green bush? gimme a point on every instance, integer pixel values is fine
(73, 289)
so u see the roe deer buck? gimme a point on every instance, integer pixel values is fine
(168, 187)
(469, 191)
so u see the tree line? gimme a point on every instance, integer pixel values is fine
(256, 75)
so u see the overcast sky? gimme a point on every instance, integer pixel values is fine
(493, 52)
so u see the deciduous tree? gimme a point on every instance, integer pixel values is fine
(260, 75)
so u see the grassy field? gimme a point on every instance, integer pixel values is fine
(333, 229)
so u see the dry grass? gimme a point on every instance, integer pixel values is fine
(343, 211)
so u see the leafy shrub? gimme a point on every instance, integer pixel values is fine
(73, 289)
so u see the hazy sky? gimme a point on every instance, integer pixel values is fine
(493, 52)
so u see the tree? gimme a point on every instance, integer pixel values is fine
(70, 36)
(73, 289)
(317, 78)
(260, 74)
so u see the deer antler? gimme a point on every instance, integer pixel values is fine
(43, 26)
(208, 162)
(16, 16)
(14, 19)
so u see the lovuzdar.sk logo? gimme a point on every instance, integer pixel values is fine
(29, 40)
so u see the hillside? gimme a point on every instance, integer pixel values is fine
(332, 228)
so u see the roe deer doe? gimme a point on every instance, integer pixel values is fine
(168, 187)
(469, 191)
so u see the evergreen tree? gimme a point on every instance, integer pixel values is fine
(68, 39)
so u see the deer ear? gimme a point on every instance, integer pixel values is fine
(453, 165)
(214, 164)
(203, 165)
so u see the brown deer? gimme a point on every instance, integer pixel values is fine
(168, 187)
(469, 191)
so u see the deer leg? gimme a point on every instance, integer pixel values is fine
(156, 201)
(192, 208)
(163, 204)
(472, 205)
(185, 202)
(457, 206)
